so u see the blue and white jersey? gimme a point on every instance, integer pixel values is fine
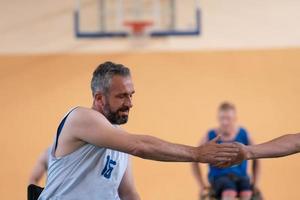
(90, 172)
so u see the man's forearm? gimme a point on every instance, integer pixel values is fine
(279, 147)
(255, 172)
(149, 147)
(198, 174)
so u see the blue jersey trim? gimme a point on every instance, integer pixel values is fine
(60, 127)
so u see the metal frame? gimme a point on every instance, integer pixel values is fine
(196, 31)
(155, 33)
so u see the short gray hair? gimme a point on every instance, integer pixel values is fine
(103, 74)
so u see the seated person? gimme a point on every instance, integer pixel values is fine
(228, 183)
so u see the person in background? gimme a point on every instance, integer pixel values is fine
(229, 182)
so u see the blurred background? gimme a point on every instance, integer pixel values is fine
(186, 57)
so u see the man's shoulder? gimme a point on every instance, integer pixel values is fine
(83, 112)
(243, 130)
(244, 135)
(211, 133)
(84, 116)
(83, 109)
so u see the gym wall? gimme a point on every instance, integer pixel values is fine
(176, 98)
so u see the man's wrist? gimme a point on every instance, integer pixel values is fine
(195, 153)
(250, 152)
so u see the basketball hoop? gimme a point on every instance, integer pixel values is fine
(138, 28)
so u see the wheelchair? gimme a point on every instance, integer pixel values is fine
(211, 195)
(33, 192)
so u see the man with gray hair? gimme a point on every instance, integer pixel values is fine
(89, 158)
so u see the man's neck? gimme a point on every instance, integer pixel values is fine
(94, 107)
(228, 133)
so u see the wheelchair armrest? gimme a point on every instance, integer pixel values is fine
(33, 192)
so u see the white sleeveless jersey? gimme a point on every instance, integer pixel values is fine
(90, 172)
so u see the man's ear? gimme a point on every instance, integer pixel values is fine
(99, 100)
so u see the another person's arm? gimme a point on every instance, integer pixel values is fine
(39, 169)
(127, 190)
(92, 127)
(255, 168)
(279, 147)
(197, 172)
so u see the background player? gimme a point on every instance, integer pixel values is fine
(232, 181)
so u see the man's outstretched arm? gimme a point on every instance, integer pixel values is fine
(92, 127)
(279, 147)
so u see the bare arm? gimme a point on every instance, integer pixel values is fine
(255, 168)
(197, 172)
(255, 172)
(92, 127)
(127, 190)
(279, 147)
(40, 168)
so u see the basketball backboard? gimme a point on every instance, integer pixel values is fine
(110, 18)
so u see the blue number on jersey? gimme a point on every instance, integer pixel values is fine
(109, 166)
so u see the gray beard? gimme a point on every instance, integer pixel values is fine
(114, 117)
